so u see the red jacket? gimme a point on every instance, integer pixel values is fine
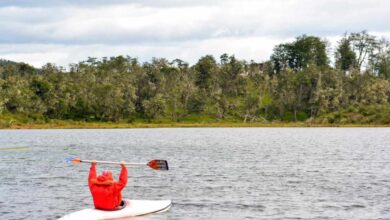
(106, 193)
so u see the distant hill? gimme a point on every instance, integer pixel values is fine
(8, 67)
(4, 62)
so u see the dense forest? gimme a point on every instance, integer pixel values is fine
(302, 81)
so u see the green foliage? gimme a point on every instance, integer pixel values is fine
(288, 116)
(363, 45)
(304, 51)
(196, 103)
(197, 118)
(360, 50)
(155, 107)
(302, 116)
(361, 114)
(205, 71)
(120, 89)
(345, 56)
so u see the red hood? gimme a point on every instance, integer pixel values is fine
(104, 179)
(106, 175)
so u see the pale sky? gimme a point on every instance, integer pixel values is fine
(64, 32)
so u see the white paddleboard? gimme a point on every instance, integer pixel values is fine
(132, 208)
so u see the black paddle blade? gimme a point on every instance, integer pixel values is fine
(158, 164)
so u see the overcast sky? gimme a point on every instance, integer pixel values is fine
(64, 32)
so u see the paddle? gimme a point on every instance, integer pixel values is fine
(154, 164)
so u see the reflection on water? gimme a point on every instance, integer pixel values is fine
(216, 173)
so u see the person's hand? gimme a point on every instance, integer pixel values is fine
(123, 163)
(94, 162)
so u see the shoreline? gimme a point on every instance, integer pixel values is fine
(110, 125)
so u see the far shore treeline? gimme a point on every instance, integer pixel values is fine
(299, 83)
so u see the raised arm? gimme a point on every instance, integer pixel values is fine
(122, 177)
(92, 173)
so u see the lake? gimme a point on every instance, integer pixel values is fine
(215, 173)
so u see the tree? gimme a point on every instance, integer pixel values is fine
(375, 91)
(20, 98)
(304, 51)
(379, 63)
(3, 98)
(364, 46)
(176, 97)
(327, 96)
(345, 56)
(122, 89)
(155, 107)
(229, 77)
(205, 69)
(252, 100)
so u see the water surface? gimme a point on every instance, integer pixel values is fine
(216, 173)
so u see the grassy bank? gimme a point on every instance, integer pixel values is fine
(8, 121)
(89, 125)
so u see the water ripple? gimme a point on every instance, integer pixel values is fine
(245, 173)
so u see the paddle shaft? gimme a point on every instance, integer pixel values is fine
(154, 164)
(110, 162)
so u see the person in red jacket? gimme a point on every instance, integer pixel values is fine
(105, 191)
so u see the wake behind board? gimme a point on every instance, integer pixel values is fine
(132, 208)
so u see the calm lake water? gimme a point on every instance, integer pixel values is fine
(216, 173)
